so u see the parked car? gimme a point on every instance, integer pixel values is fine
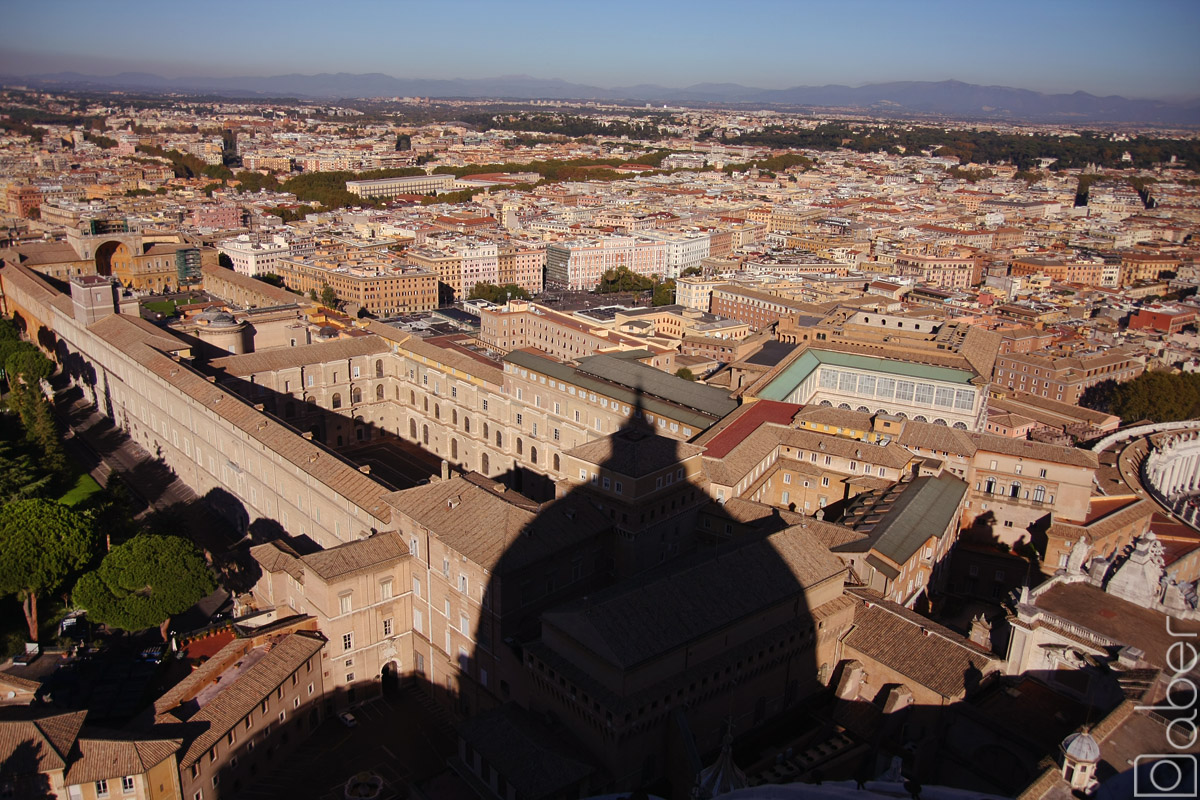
(155, 654)
(347, 719)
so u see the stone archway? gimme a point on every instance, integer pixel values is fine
(389, 677)
(104, 256)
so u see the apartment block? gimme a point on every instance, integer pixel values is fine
(578, 264)
(1066, 377)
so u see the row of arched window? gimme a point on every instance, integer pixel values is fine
(355, 396)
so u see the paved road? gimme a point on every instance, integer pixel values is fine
(106, 450)
(396, 737)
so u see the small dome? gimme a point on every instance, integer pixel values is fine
(1081, 747)
(215, 318)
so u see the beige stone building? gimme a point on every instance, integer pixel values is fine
(359, 593)
(52, 755)
(254, 701)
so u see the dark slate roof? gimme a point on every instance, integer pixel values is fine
(898, 520)
(675, 401)
(771, 354)
(656, 383)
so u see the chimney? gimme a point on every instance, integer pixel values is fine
(445, 470)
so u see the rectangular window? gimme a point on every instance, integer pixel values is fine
(418, 621)
(483, 407)
(829, 378)
(462, 583)
(885, 387)
(385, 589)
(127, 784)
(387, 627)
(356, 372)
(344, 603)
(943, 397)
(787, 477)
(964, 400)
(904, 391)
(102, 788)
(847, 382)
(347, 641)
(924, 395)
(416, 586)
(866, 384)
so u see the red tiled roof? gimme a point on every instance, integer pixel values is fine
(760, 413)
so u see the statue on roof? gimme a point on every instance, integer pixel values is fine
(1078, 557)
(1140, 579)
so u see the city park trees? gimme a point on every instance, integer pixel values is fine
(143, 582)
(497, 294)
(41, 544)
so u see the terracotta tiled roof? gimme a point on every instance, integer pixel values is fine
(231, 704)
(51, 739)
(482, 520)
(928, 654)
(114, 757)
(335, 562)
(291, 357)
(1072, 456)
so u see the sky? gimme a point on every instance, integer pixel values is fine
(1135, 49)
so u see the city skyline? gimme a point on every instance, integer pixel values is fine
(1065, 47)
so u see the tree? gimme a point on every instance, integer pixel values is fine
(143, 582)
(497, 294)
(404, 142)
(26, 367)
(622, 279)
(20, 477)
(328, 297)
(664, 293)
(41, 544)
(685, 373)
(1156, 396)
(271, 278)
(690, 271)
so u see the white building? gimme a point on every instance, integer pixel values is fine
(579, 264)
(253, 257)
(685, 249)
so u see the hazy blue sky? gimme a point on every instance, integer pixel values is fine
(1136, 49)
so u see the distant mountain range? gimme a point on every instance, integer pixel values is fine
(949, 98)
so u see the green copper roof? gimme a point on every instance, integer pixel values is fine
(802, 367)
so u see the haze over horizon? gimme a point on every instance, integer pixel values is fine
(1102, 47)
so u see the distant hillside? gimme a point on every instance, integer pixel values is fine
(949, 98)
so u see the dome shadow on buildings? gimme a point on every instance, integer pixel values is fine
(603, 639)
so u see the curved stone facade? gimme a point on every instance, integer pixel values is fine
(1171, 472)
